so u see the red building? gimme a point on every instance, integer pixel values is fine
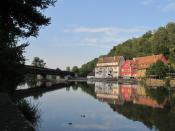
(128, 69)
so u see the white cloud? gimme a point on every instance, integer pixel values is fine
(104, 37)
(95, 37)
(106, 30)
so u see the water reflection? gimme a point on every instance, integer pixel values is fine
(118, 94)
(30, 111)
(154, 107)
(134, 107)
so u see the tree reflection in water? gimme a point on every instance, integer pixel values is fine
(31, 80)
(31, 112)
(155, 107)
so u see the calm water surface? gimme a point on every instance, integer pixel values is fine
(105, 107)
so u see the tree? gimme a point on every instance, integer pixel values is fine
(159, 69)
(38, 62)
(67, 68)
(75, 69)
(18, 19)
(160, 41)
(87, 68)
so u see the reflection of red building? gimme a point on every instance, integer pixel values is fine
(128, 69)
(147, 101)
(127, 92)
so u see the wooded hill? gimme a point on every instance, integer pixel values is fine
(158, 41)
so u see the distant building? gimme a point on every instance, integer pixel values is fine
(144, 63)
(128, 69)
(109, 67)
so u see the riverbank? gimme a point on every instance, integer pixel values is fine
(11, 118)
(149, 81)
(159, 82)
(131, 81)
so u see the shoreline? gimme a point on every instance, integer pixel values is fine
(13, 118)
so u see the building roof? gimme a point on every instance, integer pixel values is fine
(108, 59)
(131, 62)
(146, 61)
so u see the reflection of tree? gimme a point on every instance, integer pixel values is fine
(31, 80)
(67, 88)
(31, 112)
(74, 87)
(153, 107)
(172, 101)
(161, 119)
(159, 94)
(88, 88)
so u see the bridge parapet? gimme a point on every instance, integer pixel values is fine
(47, 71)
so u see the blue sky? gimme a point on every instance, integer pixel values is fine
(81, 30)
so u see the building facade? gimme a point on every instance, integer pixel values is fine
(109, 67)
(128, 69)
(144, 63)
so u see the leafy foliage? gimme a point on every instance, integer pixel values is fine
(30, 111)
(38, 62)
(159, 41)
(87, 68)
(156, 42)
(67, 68)
(18, 19)
(158, 69)
(75, 69)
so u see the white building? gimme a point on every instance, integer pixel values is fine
(109, 67)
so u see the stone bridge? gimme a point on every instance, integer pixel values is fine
(42, 73)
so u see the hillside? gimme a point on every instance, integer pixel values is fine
(159, 41)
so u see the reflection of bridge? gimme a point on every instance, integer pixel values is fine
(37, 91)
(46, 71)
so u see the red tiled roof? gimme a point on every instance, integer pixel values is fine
(146, 61)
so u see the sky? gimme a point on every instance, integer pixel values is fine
(81, 30)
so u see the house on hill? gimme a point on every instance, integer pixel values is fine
(144, 63)
(108, 67)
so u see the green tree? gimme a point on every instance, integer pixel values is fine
(68, 68)
(38, 62)
(87, 68)
(159, 69)
(18, 19)
(75, 69)
(160, 41)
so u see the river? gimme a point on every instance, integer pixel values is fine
(103, 106)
